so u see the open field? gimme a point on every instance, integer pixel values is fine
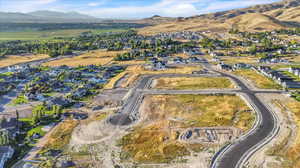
(235, 60)
(16, 59)
(97, 57)
(46, 35)
(155, 139)
(135, 71)
(259, 80)
(193, 83)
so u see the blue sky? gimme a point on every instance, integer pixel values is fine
(128, 8)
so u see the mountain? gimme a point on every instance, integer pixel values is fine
(46, 17)
(59, 15)
(290, 14)
(255, 21)
(283, 14)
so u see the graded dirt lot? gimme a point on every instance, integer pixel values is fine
(259, 80)
(193, 83)
(97, 57)
(163, 117)
(289, 148)
(16, 59)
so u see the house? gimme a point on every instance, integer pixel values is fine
(223, 66)
(193, 60)
(160, 65)
(156, 65)
(59, 101)
(178, 60)
(272, 60)
(6, 152)
(241, 66)
(295, 71)
(291, 84)
(79, 93)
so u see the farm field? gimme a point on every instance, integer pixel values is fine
(97, 57)
(46, 35)
(155, 139)
(259, 80)
(193, 83)
(16, 59)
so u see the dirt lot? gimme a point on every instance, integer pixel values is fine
(16, 59)
(193, 83)
(289, 147)
(155, 138)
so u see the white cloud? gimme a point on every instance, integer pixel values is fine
(43, 1)
(25, 5)
(173, 8)
(221, 5)
(93, 4)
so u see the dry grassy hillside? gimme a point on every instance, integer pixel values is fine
(255, 22)
(292, 14)
(246, 22)
(193, 24)
(256, 18)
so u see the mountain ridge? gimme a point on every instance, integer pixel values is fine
(45, 16)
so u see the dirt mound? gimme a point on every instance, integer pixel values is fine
(120, 119)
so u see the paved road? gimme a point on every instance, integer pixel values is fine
(236, 152)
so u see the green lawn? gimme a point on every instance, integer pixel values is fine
(46, 35)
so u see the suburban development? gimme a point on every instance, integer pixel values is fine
(216, 90)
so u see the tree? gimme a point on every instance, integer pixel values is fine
(4, 137)
(253, 49)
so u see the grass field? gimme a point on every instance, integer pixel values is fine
(259, 80)
(154, 140)
(97, 57)
(135, 71)
(46, 35)
(193, 83)
(16, 59)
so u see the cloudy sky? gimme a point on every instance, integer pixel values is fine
(128, 8)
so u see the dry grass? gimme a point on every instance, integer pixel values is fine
(194, 83)
(16, 59)
(259, 80)
(235, 60)
(135, 71)
(98, 57)
(182, 55)
(246, 22)
(154, 140)
(196, 24)
(61, 136)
